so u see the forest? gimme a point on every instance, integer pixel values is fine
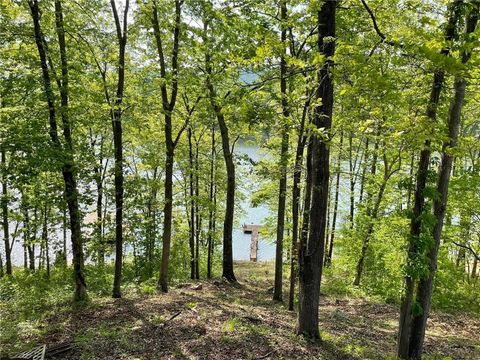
(240, 179)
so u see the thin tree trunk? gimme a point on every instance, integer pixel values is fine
(297, 176)
(45, 238)
(312, 258)
(99, 228)
(191, 222)
(424, 289)
(227, 263)
(329, 215)
(364, 171)
(116, 117)
(68, 166)
(282, 188)
(211, 213)
(198, 219)
(64, 229)
(419, 198)
(170, 144)
(372, 216)
(410, 176)
(328, 259)
(473, 275)
(352, 181)
(6, 235)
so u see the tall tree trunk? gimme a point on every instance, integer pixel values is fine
(410, 176)
(68, 168)
(372, 214)
(116, 117)
(352, 180)
(6, 235)
(211, 213)
(191, 222)
(312, 258)
(28, 235)
(424, 289)
(327, 226)
(227, 262)
(230, 202)
(328, 259)
(421, 181)
(282, 187)
(170, 144)
(167, 220)
(473, 274)
(64, 230)
(45, 238)
(297, 176)
(364, 171)
(198, 219)
(99, 226)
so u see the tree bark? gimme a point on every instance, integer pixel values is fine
(211, 213)
(364, 171)
(282, 187)
(45, 238)
(312, 257)
(297, 176)
(6, 233)
(192, 206)
(352, 181)
(328, 259)
(198, 219)
(99, 206)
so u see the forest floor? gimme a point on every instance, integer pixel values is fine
(216, 320)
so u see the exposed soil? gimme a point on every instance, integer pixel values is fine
(214, 320)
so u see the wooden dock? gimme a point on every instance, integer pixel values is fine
(254, 230)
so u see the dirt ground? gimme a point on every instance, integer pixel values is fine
(214, 320)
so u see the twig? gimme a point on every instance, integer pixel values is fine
(174, 316)
(264, 356)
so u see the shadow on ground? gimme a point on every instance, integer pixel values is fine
(220, 321)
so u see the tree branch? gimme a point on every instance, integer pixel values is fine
(468, 248)
(377, 29)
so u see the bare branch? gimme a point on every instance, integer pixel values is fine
(377, 29)
(469, 249)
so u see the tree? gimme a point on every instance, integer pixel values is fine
(116, 116)
(421, 182)
(68, 165)
(312, 251)
(282, 188)
(170, 142)
(425, 285)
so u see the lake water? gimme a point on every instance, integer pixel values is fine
(249, 215)
(241, 241)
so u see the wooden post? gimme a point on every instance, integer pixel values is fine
(252, 229)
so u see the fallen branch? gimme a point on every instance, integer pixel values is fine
(264, 356)
(174, 316)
